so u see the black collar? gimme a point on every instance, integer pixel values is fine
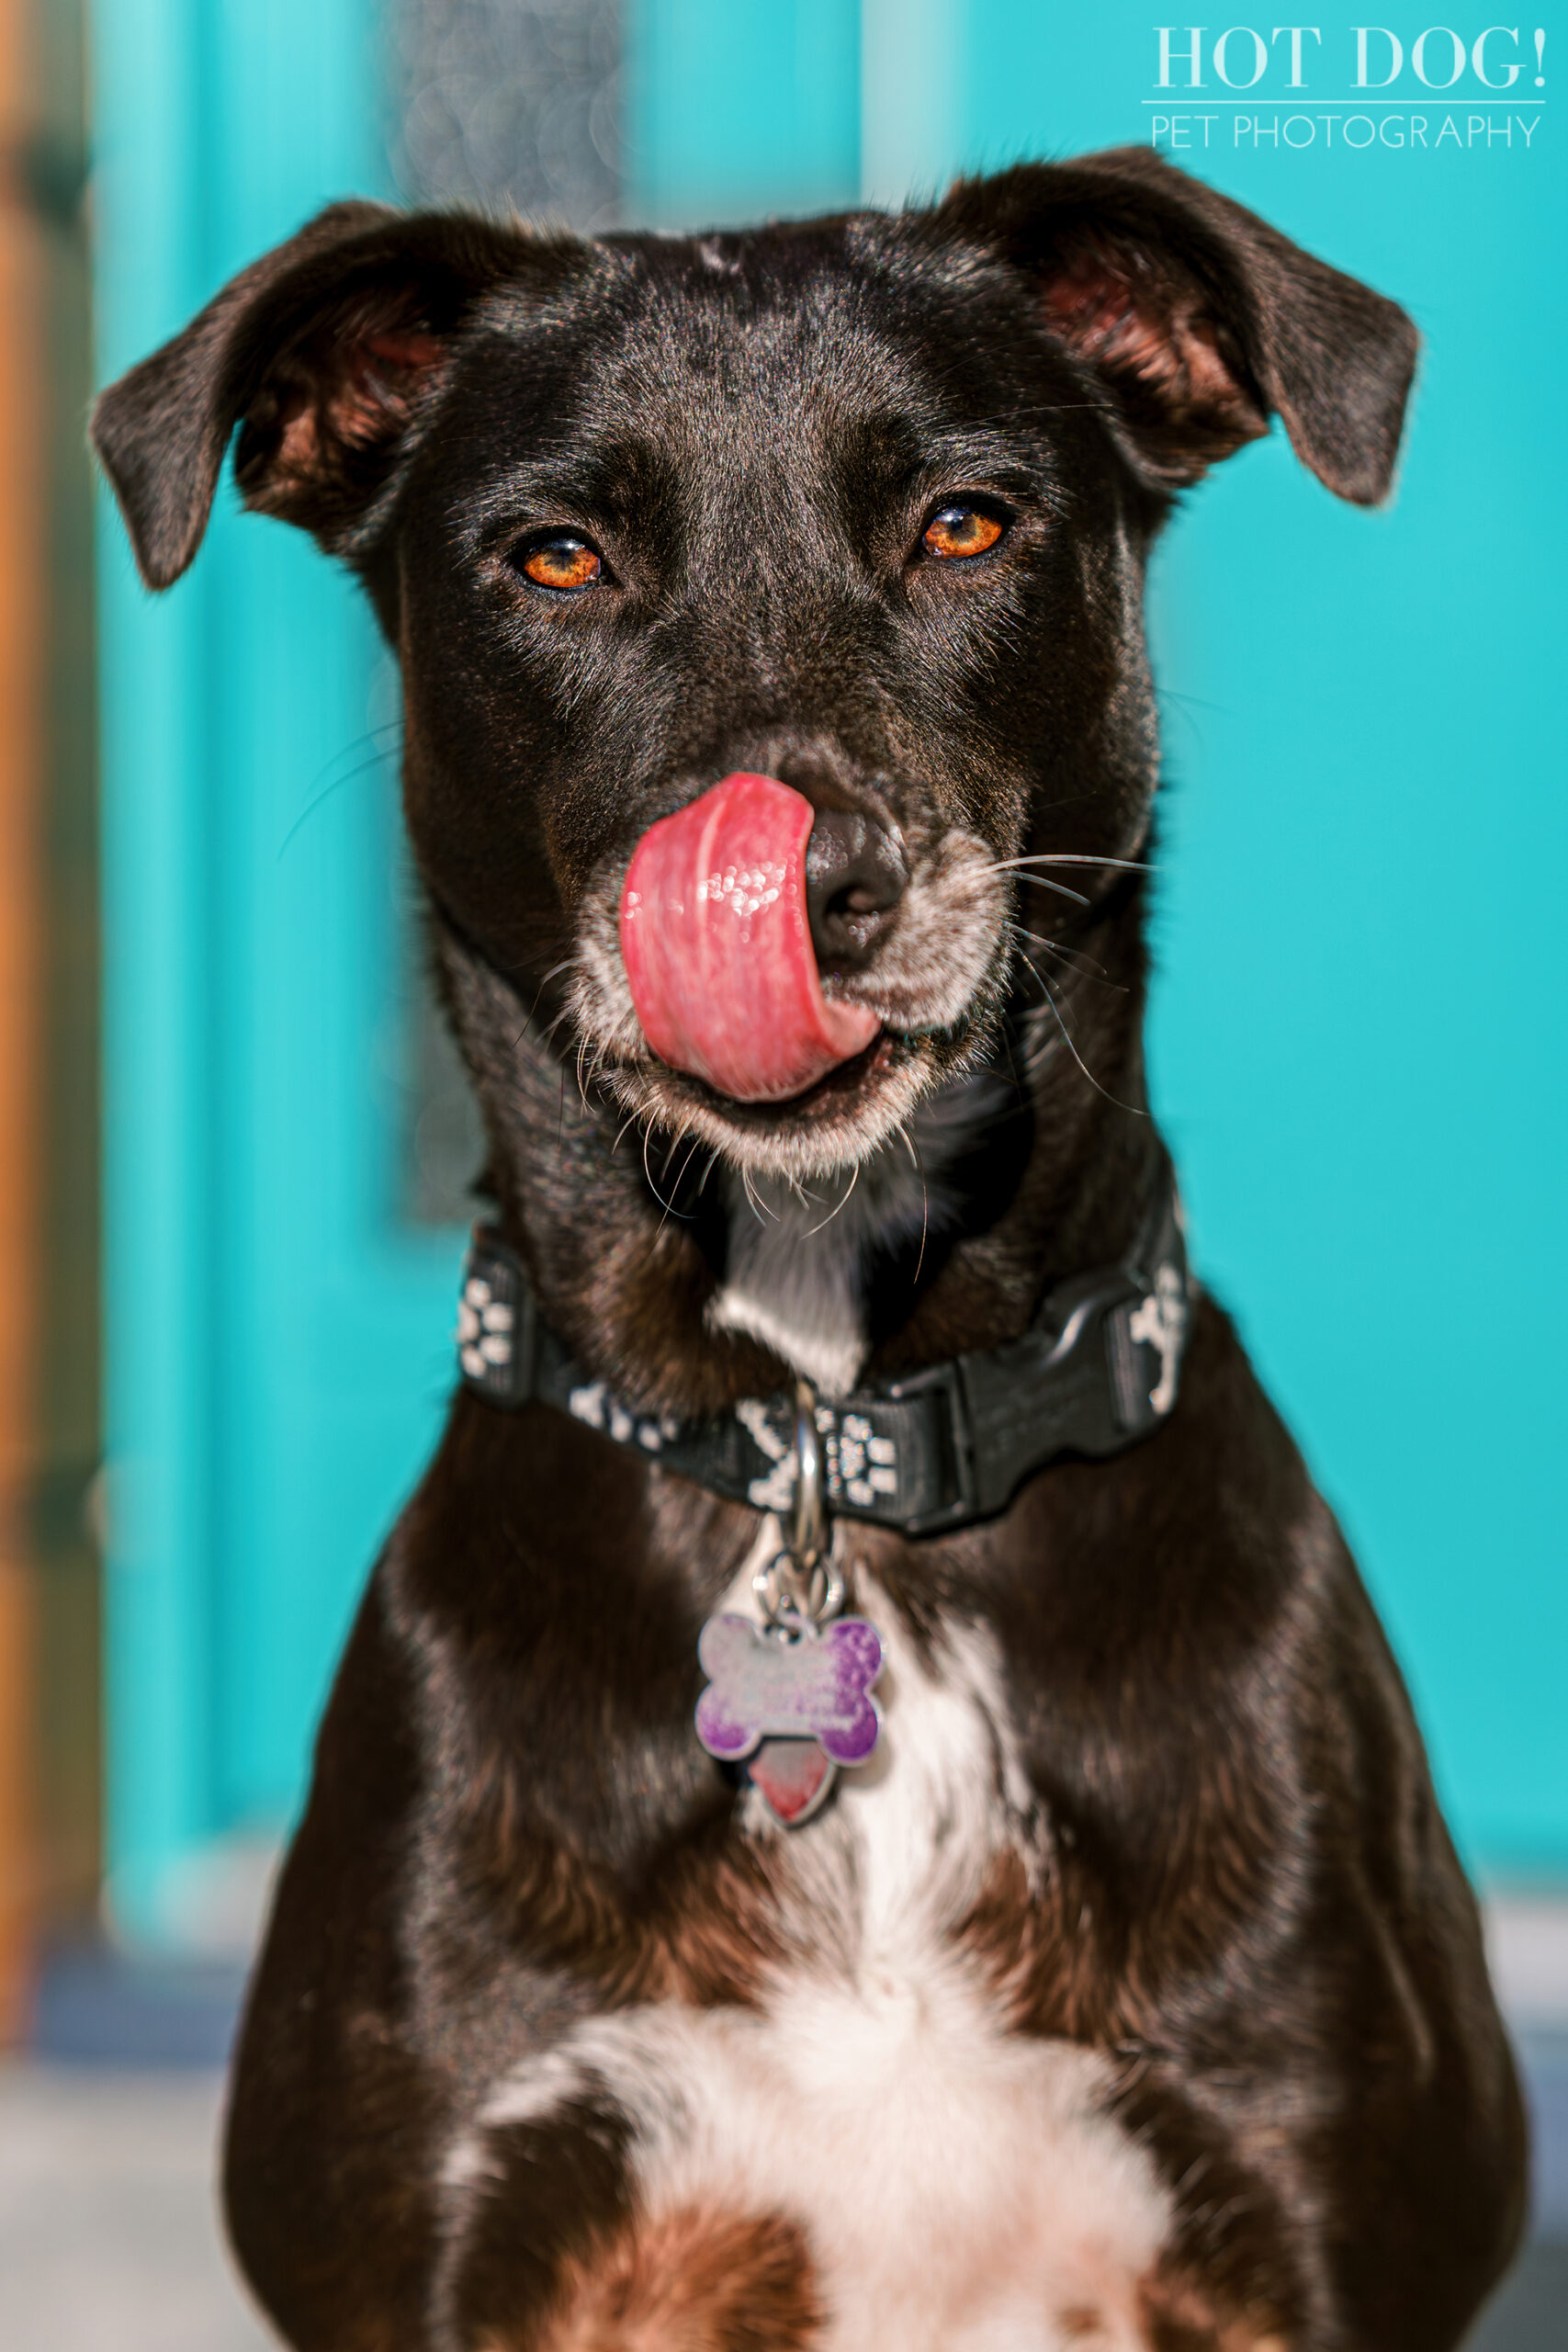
(1096, 1370)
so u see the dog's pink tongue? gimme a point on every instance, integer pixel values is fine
(717, 946)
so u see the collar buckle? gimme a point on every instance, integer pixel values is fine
(945, 1384)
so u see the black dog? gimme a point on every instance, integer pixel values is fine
(1132, 1992)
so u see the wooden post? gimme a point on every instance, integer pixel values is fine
(23, 557)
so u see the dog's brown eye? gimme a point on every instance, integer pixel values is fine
(961, 531)
(562, 563)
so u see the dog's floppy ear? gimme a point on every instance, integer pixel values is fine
(319, 353)
(1201, 320)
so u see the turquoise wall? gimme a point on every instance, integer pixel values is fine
(1357, 1022)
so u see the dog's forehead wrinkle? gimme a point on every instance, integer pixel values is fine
(771, 369)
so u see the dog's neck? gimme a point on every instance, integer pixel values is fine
(691, 1285)
(799, 1261)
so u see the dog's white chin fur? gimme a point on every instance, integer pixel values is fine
(792, 1151)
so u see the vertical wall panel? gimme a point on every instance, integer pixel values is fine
(22, 651)
(276, 1349)
(152, 272)
(738, 113)
(914, 97)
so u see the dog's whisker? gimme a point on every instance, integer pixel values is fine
(598, 1056)
(1026, 964)
(647, 1174)
(1085, 966)
(1015, 1076)
(1036, 881)
(377, 759)
(691, 1150)
(1042, 882)
(553, 974)
(584, 1078)
(1078, 1058)
(843, 1204)
(1076, 857)
(674, 1183)
(925, 1201)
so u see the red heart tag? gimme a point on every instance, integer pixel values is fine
(793, 1776)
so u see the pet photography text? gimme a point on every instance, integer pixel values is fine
(1294, 87)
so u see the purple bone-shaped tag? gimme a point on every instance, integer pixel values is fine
(814, 1686)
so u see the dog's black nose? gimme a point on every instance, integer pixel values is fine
(856, 874)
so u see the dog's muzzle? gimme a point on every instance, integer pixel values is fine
(726, 907)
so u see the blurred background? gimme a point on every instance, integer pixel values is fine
(234, 1147)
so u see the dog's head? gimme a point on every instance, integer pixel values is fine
(860, 505)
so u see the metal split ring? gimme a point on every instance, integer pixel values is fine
(802, 1585)
(808, 1530)
(790, 1599)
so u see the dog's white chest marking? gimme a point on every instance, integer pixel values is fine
(796, 1276)
(959, 2186)
(794, 1282)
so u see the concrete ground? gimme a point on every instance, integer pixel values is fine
(109, 2229)
(110, 2239)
